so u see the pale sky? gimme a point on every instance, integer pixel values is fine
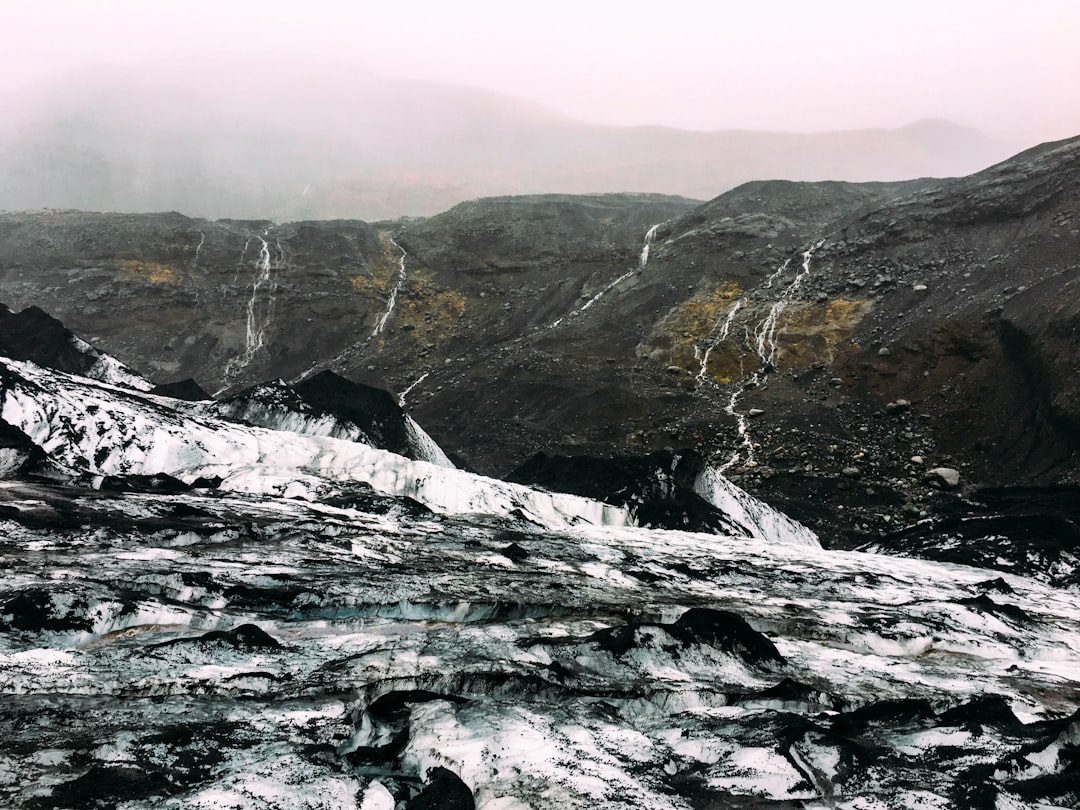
(1010, 68)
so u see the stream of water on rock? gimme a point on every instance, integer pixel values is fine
(643, 260)
(393, 291)
(764, 339)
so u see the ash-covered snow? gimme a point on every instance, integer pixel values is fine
(108, 369)
(99, 430)
(492, 645)
(760, 520)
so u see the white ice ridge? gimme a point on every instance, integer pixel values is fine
(643, 260)
(102, 430)
(264, 412)
(393, 291)
(108, 369)
(762, 522)
(424, 447)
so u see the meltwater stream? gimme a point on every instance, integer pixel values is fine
(718, 335)
(260, 305)
(764, 340)
(393, 291)
(643, 260)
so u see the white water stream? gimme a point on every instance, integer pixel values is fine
(718, 335)
(412, 385)
(765, 334)
(198, 250)
(643, 260)
(393, 291)
(258, 317)
(764, 340)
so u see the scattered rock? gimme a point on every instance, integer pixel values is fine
(515, 552)
(444, 791)
(945, 477)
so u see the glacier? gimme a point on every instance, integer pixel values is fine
(302, 620)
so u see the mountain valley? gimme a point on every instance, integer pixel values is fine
(554, 500)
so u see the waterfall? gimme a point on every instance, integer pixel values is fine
(257, 322)
(719, 336)
(764, 340)
(643, 260)
(198, 250)
(412, 385)
(393, 292)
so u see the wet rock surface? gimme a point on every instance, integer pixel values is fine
(951, 296)
(288, 596)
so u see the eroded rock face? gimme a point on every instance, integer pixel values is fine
(221, 302)
(542, 324)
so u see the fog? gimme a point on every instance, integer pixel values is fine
(371, 110)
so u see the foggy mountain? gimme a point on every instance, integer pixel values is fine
(302, 148)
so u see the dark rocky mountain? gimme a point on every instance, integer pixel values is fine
(839, 344)
(287, 598)
(305, 147)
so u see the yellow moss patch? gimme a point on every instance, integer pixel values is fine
(699, 315)
(690, 324)
(154, 272)
(383, 270)
(809, 332)
(430, 310)
(806, 333)
(729, 364)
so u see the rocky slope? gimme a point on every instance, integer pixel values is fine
(200, 613)
(866, 355)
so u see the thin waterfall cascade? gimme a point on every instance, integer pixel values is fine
(716, 337)
(765, 336)
(260, 305)
(198, 250)
(643, 260)
(398, 284)
(412, 385)
(764, 340)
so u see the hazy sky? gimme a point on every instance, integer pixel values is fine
(1011, 68)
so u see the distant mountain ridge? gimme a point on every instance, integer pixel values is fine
(381, 149)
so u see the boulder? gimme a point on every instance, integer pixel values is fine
(944, 477)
